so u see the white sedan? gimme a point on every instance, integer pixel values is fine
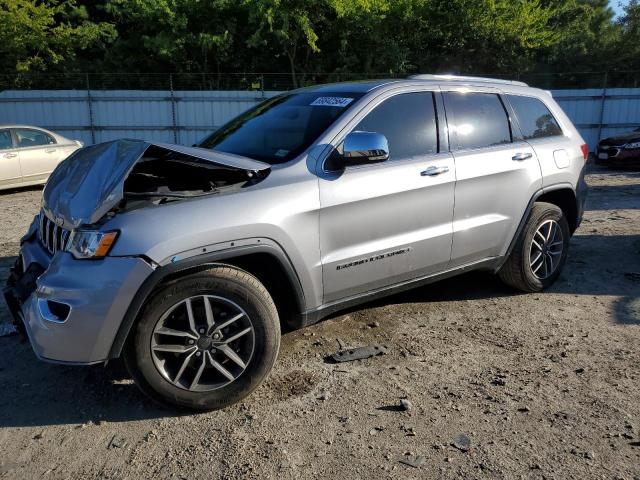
(28, 155)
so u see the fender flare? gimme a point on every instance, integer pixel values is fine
(195, 264)
(525, 217)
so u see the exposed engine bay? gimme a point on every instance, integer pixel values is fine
(162, 175)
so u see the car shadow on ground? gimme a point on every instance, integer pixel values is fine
(47, 394)
(598, 265)
(30, 188)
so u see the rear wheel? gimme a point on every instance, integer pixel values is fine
(205, 341)
(540, 252)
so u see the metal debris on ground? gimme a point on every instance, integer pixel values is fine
(414, 461)
(359, 353)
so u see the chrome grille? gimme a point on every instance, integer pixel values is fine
(51, 236)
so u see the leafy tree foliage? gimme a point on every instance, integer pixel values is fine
(42, 35)
(303, 37)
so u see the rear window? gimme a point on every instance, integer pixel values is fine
(534, 118)
(32, 138)
(279, 129)
(477, 120)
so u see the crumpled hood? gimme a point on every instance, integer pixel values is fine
(84, 187)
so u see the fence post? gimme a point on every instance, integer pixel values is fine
(602, 102)
(90, 105)
(173, 110)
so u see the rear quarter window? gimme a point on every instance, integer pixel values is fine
(32, 138)
(534, 118)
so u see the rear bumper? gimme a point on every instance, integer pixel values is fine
(71, 309)
(582, 190)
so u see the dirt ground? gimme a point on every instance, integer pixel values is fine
(538, 386)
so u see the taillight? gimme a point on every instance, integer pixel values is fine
(585, 151)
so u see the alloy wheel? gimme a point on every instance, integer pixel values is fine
(203, 343)
(546, 249)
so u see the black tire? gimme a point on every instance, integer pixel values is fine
(239, 287)
(517, 271)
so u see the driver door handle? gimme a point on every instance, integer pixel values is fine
(10, 155)
(518, 157)
(433, 171)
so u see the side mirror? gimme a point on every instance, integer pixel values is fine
(364, 147)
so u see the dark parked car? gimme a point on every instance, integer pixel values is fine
(620, 151)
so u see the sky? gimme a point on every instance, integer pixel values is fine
(615, 4)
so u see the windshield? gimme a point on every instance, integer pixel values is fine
(282, 127)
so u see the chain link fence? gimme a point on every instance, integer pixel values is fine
(281, 81)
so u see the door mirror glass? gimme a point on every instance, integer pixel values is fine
(364, 147)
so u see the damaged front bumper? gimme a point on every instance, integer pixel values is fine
(71, 309)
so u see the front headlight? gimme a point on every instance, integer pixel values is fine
(91, 243)
(632, 145)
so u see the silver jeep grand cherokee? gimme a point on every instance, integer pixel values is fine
(187, 260)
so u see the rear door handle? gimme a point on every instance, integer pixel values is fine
(518, 157)
(50, 150)
(433, 171)
(10, 155)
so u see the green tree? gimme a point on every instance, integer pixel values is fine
(46, 36)
(628, 46)
(586, 42)
(290, 25)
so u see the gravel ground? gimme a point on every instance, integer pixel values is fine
(501, 385)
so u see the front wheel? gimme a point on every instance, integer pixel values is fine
(540, 252)
(205, 341)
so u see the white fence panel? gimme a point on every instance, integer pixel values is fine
(186, 116)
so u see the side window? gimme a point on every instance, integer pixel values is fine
(32, 138)
(479, 120)
(5, 140)
(535, 119)
(408, 120)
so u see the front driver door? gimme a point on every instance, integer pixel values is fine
(386, 223)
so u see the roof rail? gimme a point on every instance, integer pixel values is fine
(459, 78)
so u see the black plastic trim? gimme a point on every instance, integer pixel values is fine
(323, 311)
(199, 263)
(580, 198)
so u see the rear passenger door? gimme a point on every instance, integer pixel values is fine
(497, 174)
(9, 161)
(389, 222)
(39, 154)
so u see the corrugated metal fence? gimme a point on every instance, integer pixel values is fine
(102, 115)
(186, 116)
